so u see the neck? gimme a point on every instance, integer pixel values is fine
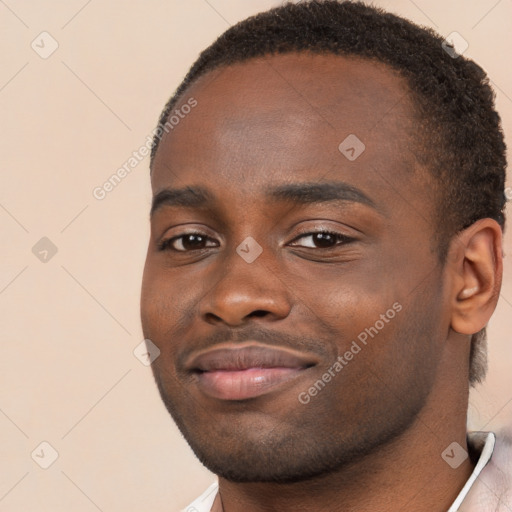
(406, 474)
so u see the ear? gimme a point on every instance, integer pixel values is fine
(476, 267)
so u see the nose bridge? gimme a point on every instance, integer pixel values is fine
(250, 246)
(252, 262)
(249, 238)
(249, 282)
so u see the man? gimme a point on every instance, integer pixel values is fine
(325, 253)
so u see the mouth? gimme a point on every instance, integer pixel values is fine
(243, 371)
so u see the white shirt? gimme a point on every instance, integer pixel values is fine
(492, 492)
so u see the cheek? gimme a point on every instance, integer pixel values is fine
(148, 298)
(364, 313)
(350, 301)
(166, 309)
(155, 302)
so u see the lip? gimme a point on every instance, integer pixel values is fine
(246, 370)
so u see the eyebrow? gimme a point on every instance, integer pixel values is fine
(304, 193)
(298, 193)
(188, 197)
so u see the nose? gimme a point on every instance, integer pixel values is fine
(246, 290)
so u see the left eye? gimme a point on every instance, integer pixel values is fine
(324, 239)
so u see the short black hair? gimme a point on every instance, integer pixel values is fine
(459, 136)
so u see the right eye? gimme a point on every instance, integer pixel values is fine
(186, 242)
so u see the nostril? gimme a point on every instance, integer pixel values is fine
(259, 312)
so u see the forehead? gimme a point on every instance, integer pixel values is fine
(307, 79)
(283, 118)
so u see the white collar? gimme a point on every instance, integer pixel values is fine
(475, 440)
(205, 502)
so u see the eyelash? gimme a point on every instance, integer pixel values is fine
(166, 245)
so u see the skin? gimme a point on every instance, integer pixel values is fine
(372, 438)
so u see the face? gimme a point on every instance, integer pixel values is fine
(290, 283)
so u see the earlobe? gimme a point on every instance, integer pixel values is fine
(476, 272)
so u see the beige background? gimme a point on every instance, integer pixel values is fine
(69, 326)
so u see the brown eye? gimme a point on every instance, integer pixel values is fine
(324, 239)
(184, 243)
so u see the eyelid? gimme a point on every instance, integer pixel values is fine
(338, 235)
(321, 227)
(167, 243)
